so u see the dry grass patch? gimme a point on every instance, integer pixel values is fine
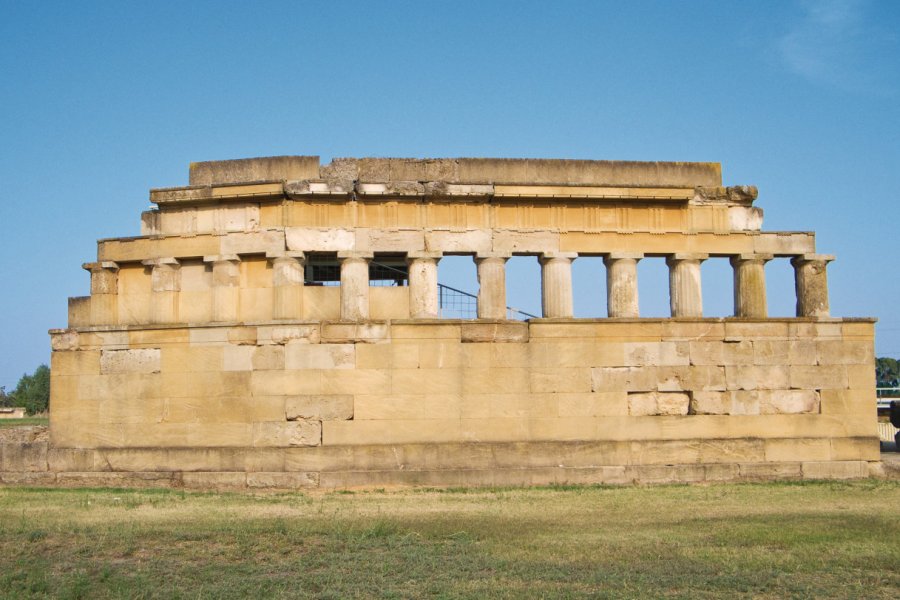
(749, 540)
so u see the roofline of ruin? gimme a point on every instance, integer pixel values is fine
(467, 170)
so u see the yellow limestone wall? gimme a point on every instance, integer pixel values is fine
(771, 396)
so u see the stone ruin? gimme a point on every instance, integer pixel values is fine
(217, 351)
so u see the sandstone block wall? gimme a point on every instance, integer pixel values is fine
(239, 341)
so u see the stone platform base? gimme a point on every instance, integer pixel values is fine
(434, 465)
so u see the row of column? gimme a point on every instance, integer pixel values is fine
(685, 289)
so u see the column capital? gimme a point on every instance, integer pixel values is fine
(623, 255)
(355, 254)
(482, 256)
(106, 265)
(685, 256)
(553, 255)
(750, 257)
(673, 259)
(273, 254)
(218, 258)
(423, 254)
(807, 258)
(156, 262)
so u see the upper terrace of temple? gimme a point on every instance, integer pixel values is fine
(290, 213)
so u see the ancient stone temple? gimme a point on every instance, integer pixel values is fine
(243, 340)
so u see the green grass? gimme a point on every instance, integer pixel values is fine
(26, 421)
(787, 540)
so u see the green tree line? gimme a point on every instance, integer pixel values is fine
(887, 372)
(32, 392)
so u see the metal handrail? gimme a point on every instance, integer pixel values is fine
(442, 288)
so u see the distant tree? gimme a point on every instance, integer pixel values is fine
(5, 399)
(887, 372)
(33, 391)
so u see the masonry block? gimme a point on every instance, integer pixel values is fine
(322, 408)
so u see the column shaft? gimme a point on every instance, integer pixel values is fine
(811, 284)
(287, 287)
(423, 285)
(750, 285)
(556, 285)
(685, 291)
(104, 292)
(226, 280)
(165, 285)
(354, 286)
(621, 285)
(491, 286)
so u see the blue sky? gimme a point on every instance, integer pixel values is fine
(101, 101)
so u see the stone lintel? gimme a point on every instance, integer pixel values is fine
(530, 171)
(190, 196)
(639, 193)
(266, 168)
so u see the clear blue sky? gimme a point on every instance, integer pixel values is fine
(101, 101)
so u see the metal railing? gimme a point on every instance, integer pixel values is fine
(883, 396)
(457, 304)
(453, 303)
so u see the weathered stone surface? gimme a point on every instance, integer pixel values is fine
(497, 332)
(302, 432)
(848, 469)
(139, 360)
(658, 403)
(282, 481)
(303, 239)
(322, 408)
(710, 403)
(254, 169)
(788, 401)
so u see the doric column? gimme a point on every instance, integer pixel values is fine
(556, 284)
(354, 285)
(621, 284)
(811, 283)
(226, 281)
(685, 292)
(491, 285)
(288, 274)
(422, 270)
(104, 292)
(165, 283)
(750, 285)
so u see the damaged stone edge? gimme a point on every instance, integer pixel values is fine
(436, 191)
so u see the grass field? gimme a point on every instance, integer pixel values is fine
(4, 423)
(782, 540)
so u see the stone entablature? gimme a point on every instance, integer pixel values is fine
(210, 333)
